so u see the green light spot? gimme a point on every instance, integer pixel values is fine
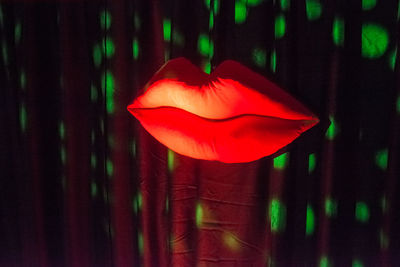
(109, 167)
(311, 162)
(93, 189)
(17, 32)
(362, 212)
(324, 262)
(107, 83)
(330, 207)
(93, 93)
(61, 130)
(207, 67)
(240, 12)
(22, 80)
(205, 46)
(137, 203)
(105, 20)
(313, 9)
(140, 242)
(171, 160)
(273, 61)
(368, 4)
(167, 30)
(92, 136)
(384, 205)
(357, 263)
(133, 146)
(277, 215)
(398, 105)
(375, 40)
(216, 5)
(63, 155)
(136, 21)
(1, 17)
(135, 49)
(398, 10)
(285, 4)
(381, 159)
(253, 3)
(211, 21)
(332, 131)
(108, 47)
(199, 215)
(280, 26)
(179, 39)
(5, 53)
(259, 57)
(383, 239)
(392, 58)
(281, 161)
(310, 220)
(338, 31)
(97, 55)
(23, 118)
(139, 200)
(93, 161)
(166, 204)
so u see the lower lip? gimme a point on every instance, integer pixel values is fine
(242, 138)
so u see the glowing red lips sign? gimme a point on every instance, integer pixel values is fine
(231, 115)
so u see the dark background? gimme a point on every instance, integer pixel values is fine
(82, 184)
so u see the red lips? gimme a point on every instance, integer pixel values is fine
(231, 115)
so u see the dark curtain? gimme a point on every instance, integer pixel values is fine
(83, 184)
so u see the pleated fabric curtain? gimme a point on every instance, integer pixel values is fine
(83, 184)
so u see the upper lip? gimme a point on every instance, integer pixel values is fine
(232, 92)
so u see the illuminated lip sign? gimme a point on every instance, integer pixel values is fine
(232, 115)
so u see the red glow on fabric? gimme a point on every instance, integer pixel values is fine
(232, 115)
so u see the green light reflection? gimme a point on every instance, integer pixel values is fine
(338, 31)
(108, 47)
(23, 118)
(171, 160)
(240, 12)
(61, 130)
(280, 26)
(135, 48)
(313, 9)
(107, 83)
(97, 55)
(333, 130)
(285, 4)
(368, 4)
(167, 30)
(375, 39)
(105, 20)
(109, 167)
(205, 46)
(311, 162)
(17, 32)
(324, 262)
(277, 215)
(330, 207)
(381, 159)
(259, 57)
(357, 263)
(392, 58)
(362, 212)
(281, 161)
(273, 61)
(22, 79)
(199, 215)
(310, 220)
